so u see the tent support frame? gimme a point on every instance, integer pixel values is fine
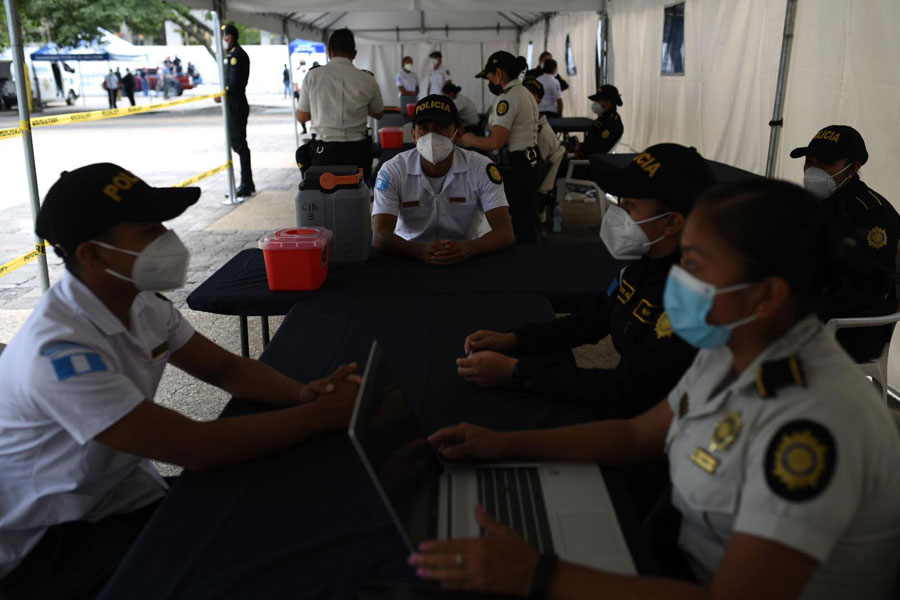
(287, 42)
(220, 58)
(15, 39)
(777, 121)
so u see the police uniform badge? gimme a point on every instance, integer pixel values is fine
(233, 61)
(799, 461)
(877, 238)
(502, 107)
(605, 134)
(726, 432)
(663, 326)
(493, 174)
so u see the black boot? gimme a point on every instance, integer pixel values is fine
(245, 190)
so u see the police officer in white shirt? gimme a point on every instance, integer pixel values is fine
(514, 136)
(430, 201)
(783, 458)
(438, 74)
(78, 424)
(468, 113)
(551, 104)
(407, 84)
(338, 98)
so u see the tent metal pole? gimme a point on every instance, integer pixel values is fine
(546, 33)
(15, 39)
(604, 52)
(287, 41)
(220, 58)
(777, 121)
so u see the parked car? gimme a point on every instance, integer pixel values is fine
(184, 81)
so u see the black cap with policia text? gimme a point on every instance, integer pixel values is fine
(835, 142)
(84, 203)
(438, 108)
(673, 174)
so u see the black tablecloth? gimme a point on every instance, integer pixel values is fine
(307, 523)
(568, 274)
(569, 124)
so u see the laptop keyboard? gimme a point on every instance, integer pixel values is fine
(513, 496)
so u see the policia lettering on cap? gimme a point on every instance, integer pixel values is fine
(513, 123)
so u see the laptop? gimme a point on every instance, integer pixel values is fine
(560, 507)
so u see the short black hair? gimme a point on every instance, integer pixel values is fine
(543, 54)
(342, 42)
(549, 65)
(435, 54)
(406, 58)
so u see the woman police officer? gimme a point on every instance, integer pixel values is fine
(782, 457)
(514, 132)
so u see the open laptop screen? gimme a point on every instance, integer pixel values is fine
(396, 452)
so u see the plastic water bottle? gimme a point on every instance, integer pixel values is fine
(557, 219)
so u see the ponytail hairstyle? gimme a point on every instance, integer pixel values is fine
(778, 229)
(521, 65)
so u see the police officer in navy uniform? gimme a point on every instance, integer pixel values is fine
(237, 72)
(656, 191)
(513, 123)
(606, 130)
(869, 228)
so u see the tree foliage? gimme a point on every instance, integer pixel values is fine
(68, 22)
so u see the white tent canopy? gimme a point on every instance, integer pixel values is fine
(843, 66)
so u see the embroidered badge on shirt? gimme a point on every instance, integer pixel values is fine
(725, 432)
(494, 174)
(457, 200)
(663, 326)
(233, 62)
(644, 311)
(605, 134)
(502, 107)
(799, 461)
(877, 238)
(626, 291)
(74, 365)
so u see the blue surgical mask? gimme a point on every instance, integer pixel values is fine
(688, 300)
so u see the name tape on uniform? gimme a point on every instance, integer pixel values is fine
(20, 262)
(99, 115)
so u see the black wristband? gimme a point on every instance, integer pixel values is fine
(543, 573)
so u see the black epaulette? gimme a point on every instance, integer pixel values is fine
(772, 375)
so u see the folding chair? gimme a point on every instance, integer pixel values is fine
(562, 182)
(875, 369)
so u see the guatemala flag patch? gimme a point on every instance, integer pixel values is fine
(74, 365)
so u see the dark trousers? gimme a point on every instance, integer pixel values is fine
(520, 180)
(130, 94)
(343, 153)
(112, 97)
(74, 560)
(238, 111)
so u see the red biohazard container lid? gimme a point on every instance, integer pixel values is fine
(296, 238)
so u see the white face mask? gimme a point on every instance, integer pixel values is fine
(407, 67)
(160, 266)
(819, 183)
(623, 236)
(596, 108)
(434, 147)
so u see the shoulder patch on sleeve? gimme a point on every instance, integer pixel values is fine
(74, 365)
(383, 181)
(493, 173)
(605, 134)
(502, 107)
(800, 460)
(233, 60)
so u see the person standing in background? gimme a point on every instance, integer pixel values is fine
(128, 85)
(286, 76)
(551, 104)
(407, 83)
(111, 85)
(237, 72)
(438, 74)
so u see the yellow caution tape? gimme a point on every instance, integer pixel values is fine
(197, 178)
(10, 133)
(12, 265)
(97, 115)
(112, 113)
(39, 249)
